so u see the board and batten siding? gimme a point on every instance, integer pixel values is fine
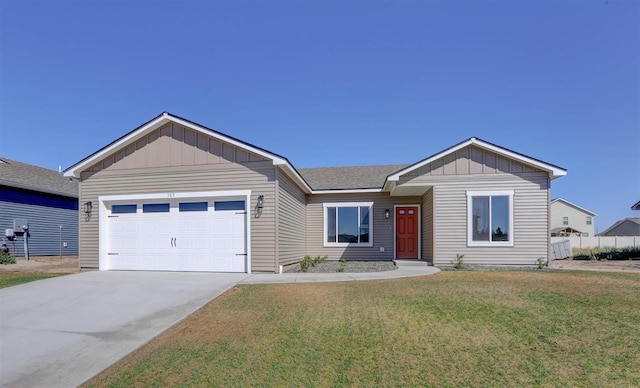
(49, 228)
(291, 221)
(383, 233)
(176, 159)
(427, 226)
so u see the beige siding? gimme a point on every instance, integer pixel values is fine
(470, 160)
(383, 233)
(170, 160)
(173, 145)
(427, 226)
(291, 221)
(530, 203)
(577, 218)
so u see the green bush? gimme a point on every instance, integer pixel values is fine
(6, 258)
(343, 265)
(542, 262)
(458, 263)
(308, 262)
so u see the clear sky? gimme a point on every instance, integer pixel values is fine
(332, 83)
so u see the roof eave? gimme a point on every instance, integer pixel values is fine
(554, 171)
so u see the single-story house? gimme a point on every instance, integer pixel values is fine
(175, 195)
(629, 226)
(569, 219)
(46, 200)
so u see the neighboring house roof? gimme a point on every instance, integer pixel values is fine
(345, 178)
(561, 200)
(565, 229)
(617, 224)
(636, 206)
(553, 170)
(29, 177)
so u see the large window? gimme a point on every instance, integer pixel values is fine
(348, 224)
(490, 218)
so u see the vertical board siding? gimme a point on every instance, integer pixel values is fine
(255, 176)
(530, 208)
(292, 221)
(427, 226)
(173, 145)
(471, 160)
(44, 228)
(383, 233)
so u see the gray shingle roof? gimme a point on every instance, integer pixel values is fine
(345, 178)
(30, 177)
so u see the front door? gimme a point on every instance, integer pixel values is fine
(407, 232)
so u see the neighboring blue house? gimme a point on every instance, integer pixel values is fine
(49, 203)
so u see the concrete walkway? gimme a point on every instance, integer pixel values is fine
(62, 331)
(406, 269)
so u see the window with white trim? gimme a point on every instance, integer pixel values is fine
(490, 218)
(565, 220)
(348, 224)
(589, 220)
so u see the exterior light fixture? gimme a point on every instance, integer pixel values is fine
(87, 207)
(260, 201)
(387, 214)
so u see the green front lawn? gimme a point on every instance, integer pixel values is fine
(8, 279)
(493, 328)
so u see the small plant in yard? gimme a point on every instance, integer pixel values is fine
(343, 265)
(6, 258)
(308, 262)
(305, 263)
(458, 262)
(542, 262)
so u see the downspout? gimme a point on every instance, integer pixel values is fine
(276, 207)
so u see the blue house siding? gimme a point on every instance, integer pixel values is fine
(48, 216)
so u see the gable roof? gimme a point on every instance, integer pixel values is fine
(310, 180)
(636, 206)
(553, 170)
(349, 178)
(29, 177)
(166, 117)
(561, 200)
(635, 220)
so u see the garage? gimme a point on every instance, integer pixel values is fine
(176, 232)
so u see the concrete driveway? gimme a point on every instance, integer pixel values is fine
(62, 331)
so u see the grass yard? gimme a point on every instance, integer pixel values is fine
(8, 279)
(493, 328)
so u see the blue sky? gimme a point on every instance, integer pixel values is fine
(330, 83)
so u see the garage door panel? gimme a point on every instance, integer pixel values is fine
(178, 240)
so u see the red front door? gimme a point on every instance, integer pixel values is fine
(407, 232)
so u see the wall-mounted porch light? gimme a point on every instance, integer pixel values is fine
(387, 214)
(260, 201)
(87, 210)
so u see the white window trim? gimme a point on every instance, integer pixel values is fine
(470, 195)
(346, 204)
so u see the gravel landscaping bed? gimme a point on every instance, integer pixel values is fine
(351, 266)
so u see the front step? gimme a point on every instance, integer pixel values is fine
(411, 263)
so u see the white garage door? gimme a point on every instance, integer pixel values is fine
(179, 235)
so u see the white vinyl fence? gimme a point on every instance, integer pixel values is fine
(600, 241)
